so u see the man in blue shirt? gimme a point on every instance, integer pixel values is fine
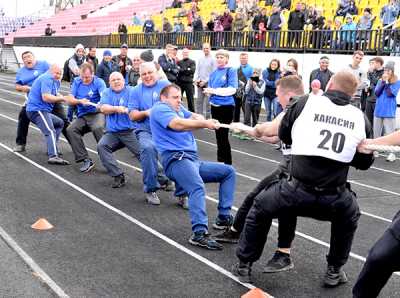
(85, 91)
(142, 99)
(119, 128)
(244, 73)
(171, 125)
(25, 77)
(41, 100)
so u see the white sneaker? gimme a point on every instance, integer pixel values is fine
(183, 202)
(152, 198)
(376, 154)
(391, 157)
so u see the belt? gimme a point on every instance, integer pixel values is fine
(398, 105)
(315, 189)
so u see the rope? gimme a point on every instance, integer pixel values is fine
(236, 127)
(383, 148)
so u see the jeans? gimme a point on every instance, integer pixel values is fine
(277, 107)
(51, 126)
(202, 99)
(269, 107)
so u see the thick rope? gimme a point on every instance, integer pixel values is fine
(383, 148)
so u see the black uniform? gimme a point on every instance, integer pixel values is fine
(317, 187)
(187, 68)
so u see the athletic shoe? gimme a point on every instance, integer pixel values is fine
(391, 157)
(55, 160)
(183, 202)
(223, 223)
(88, 164)
(376, 154)
(19, 148)
(279, 262)
(119, 181)
(169, 186)
(203, 239)
(334, 276)
(228, 236)
(152, 198)
(243, 272)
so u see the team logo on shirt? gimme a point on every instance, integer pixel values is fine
(90, 93)
(155, 95)
(35, 73)
(180, 113)
(223, 78)
(121, 101)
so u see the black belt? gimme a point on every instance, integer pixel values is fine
(398, 105)
(315, 189)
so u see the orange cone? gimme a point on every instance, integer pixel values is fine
(42, 224)
(255, 293)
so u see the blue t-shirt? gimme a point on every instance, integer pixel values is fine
(117, 122)
(247, 71)
(143, 98)
(223, 78)
(91, 91)
(42, 85)
(165, 138)
(26, 76)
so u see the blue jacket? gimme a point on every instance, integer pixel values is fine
(348, 32)
(386, 99)
(270, 86)
(103, 71)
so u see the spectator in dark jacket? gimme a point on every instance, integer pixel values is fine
(254, 92)
(296, 21)
(374, 74)
(275, 23)
(91, 58)
(197, 23)
(226, 20)
(48, 31)
(148, 25)
(123, 31)
(167, 27)
(187, 68)
(168, 64)
(270, 76)
(260, 17)
(285, 4)
(123, 61)
(106, 67)
(322, 74)
(133, 74)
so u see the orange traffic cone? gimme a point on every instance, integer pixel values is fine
(42, 224)
(255, 293)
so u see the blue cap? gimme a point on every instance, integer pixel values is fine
(107, 53)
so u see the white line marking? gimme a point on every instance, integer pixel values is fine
(132, 219)
(32, 264)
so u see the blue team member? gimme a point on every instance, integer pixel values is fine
(26, 75)
(85, 89)
(171, 126)
(142, 99)
(41, 100)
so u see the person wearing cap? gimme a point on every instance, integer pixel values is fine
(169, 64)
(386, 91)
(254, 92)
(147, 56)
(222, 85)
(106, 67)
(123, 61)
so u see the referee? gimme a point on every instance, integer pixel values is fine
(324, 132)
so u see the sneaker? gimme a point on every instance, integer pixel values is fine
(334, 276)
(152, 198)
(169, 186)
(222, 224)
(228, 236)
(119, 181)
(280, 262)
(203, 239)
(88, 164)
(55, 160)
(183, 201)
(391, 157)
(376, 154)
(19, 148)
(243, 272)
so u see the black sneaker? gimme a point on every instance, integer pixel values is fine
(56, 160)
(119, 181)
(88, 164)
(243, 272)
(334, 276)
(222, 224)
(228, 236)
(169, 186)
(280, 262)
(203, 239)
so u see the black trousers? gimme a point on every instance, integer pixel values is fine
(383, 259)
(237, 108)
(251, 114)
(287, 224)
(369, 111)
(223, 114)
(188, 89)
(288, 198)
(23, 123)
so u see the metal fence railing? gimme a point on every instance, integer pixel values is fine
(377, 42)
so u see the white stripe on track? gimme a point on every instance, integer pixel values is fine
(132, 219)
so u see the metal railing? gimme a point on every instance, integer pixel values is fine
(376, 42)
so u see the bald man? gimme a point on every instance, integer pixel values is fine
(42, 98)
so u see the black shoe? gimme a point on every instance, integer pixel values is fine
(243, 272)
(280, 262)
(169, 186)
(88, 164)
(228, 236)
(19, 148)
(203, 239)
(55, 160)
(119, 181)
(224, 223)
(334, 276)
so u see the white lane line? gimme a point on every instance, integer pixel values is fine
(305, 236)
(131, 219)
(32, 264)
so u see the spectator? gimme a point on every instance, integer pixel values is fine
(147, 56)
(133, 74)
(385, 110)
(226, 22)
(270, 76)
(197, 23)
(48, 31)
(343, 8)
(327, 34)
(291, 69)
(167, 27)
(275, 23)
(285, 4)
(315, 87)
(176, 4)
(375, 73)
(317, 21)
(168, 63)
(260, 17)
(211, 23)
(260, 35)
(91, 58)
(219, 35)
(296, 22)
(322, 74)
(254, 92)
(123, 31)
(136, 21)
(244, 72)
(389, 13)
(178, 27)
(106, 67)
(353, 10)
(148, 25)
(187, 68)
(247, 7)
(363, 28)
(123, 61)
(348, 34)
(360, 74)
(232, 5)
(76, 61)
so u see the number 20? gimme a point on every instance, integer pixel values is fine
(337, 141)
